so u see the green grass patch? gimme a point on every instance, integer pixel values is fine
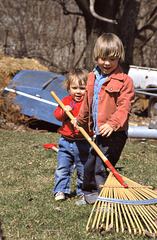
(27, 206)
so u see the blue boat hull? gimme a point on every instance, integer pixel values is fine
(32, 89)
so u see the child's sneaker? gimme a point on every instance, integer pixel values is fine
(59, 196)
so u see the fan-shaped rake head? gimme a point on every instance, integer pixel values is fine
(133, 208)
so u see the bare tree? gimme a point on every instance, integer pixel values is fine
(107, 16)
(62, 33)
(92, 10)
(145, 50)
(123, 18)
(39, 29)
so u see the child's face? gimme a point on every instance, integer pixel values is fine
(108, 64)
(77, 91)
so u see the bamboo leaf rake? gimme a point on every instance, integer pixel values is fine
(122, 203)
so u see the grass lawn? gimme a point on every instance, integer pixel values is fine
(27, 206)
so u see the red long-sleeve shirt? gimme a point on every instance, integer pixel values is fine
(67, 129)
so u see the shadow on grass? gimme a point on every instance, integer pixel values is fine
(1, 232)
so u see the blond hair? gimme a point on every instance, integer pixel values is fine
(109, 45)
(79, 74)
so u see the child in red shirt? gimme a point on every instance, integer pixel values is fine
(73, 147)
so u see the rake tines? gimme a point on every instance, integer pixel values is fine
(133, 208)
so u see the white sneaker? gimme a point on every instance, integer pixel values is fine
(59, 196)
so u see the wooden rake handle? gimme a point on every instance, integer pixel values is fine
(88, 138)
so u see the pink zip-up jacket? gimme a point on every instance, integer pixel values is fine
(115, 101)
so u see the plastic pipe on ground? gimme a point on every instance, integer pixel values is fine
(142, 132)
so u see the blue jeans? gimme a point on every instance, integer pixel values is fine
(70, 153)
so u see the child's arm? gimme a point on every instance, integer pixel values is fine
(124, 104)
(83, 115)
(59, 113)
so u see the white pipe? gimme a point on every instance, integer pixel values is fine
(37, 97)
(142, 132)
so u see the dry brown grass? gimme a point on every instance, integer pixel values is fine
(9, 67)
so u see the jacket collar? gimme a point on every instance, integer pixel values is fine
(117, 75)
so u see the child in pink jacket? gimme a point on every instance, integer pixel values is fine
(106, 109)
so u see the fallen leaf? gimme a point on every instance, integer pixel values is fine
(58, 209)
(30, 199)
(102, 228)
(149, 234)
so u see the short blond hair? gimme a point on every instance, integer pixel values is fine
(109, 45)
(79, 74)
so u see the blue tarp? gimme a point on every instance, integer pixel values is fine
(33, 89)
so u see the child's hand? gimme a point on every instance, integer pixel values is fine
(105, 130)
(74, 122)
(67, 108)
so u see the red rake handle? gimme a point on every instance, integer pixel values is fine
(106, 161)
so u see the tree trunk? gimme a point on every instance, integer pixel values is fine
(96, 27)
(126, 29)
